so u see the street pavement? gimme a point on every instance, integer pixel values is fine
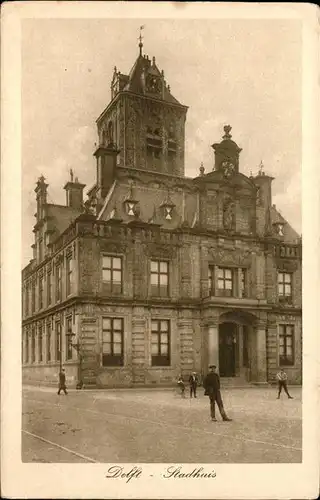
(158, 426)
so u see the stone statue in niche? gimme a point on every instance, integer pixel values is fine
(229, 214)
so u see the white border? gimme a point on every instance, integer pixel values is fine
(87, 480)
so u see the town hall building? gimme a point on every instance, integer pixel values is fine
(157, 274)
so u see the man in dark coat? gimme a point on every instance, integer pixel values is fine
(193, 381)
(211, 385)
(62, 382)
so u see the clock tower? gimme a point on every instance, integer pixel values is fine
(226, 154)
(144, 121)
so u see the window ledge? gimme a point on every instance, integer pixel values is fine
(235, 301)
(159, 367)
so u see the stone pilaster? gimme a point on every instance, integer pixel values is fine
(186, 346)
(261, 353)
(213, 344)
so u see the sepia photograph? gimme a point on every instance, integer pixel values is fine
(161, 275)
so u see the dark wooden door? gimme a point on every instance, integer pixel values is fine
(227, 351)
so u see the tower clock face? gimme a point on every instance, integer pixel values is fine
(228, 168)
(153, 84)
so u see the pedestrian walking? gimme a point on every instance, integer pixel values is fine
(282, 383)
(212, 389)
(181, 386)
(62, 382)
(193, 382)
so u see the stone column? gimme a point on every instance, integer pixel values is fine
(261, 343)
(213, 344)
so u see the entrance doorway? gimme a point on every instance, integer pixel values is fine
(227, 349)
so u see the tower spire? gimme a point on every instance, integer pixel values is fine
(140, 40)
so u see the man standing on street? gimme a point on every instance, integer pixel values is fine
(282, 382)
(211, 385)
(193, 381)
(62, 382)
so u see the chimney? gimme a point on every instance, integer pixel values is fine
(106, 164)
(74, 192)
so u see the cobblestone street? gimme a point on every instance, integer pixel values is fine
(146, 425)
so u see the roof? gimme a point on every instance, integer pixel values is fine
(61, 217)
(137, 79)
(289, 234)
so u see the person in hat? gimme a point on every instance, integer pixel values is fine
(212, 389)
(181, 386)
(282, 383)
(62, 382)
(193, 382)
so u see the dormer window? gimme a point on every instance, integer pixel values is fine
(279, 228)
(168, 212)
(130, 208)
(167, 206)
(131, 203)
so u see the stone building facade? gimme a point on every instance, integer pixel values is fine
(158, 274)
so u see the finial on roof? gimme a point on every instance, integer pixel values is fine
(76, 179)
(261, 167)
(41, 178)
(115, 69)
(227, 130)
(153, 61)
(140, 40)
(71, 174)
(201, 169)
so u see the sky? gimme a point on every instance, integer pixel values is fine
(246, 73)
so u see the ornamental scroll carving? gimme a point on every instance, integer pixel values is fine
(287, 265)
(161, 251)
(230, 257)
(106, 246)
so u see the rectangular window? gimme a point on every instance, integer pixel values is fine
(49, 288)
(33, 346)
(41, 292)
(159, 278)
(58, 283)
(284, 285)
(69, 275)
(160, 342)
(33, 296)
(286, 345)
(243, 283)
(58, 342)
(69, 339)
(211, 280)
(112, 342)
(40, 356)
(112, 273)
(225, 282)
(48, 345)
